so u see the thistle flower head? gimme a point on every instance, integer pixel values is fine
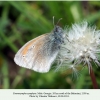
(81, 46)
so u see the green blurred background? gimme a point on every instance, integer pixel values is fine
(23, 21)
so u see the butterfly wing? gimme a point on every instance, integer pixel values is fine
(36, 54)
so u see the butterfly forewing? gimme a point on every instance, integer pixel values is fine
(39, 53)
(35, 54)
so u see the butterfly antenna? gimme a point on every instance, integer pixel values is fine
(57, 22)
(53, 21)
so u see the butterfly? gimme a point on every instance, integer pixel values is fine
(38, 54)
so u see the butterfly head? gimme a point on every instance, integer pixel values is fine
(58, 29)
(58, 34)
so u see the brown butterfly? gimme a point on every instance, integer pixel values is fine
(38, 54)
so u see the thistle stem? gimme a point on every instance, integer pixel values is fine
(94, 82)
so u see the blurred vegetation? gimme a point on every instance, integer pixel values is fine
(23, 21)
